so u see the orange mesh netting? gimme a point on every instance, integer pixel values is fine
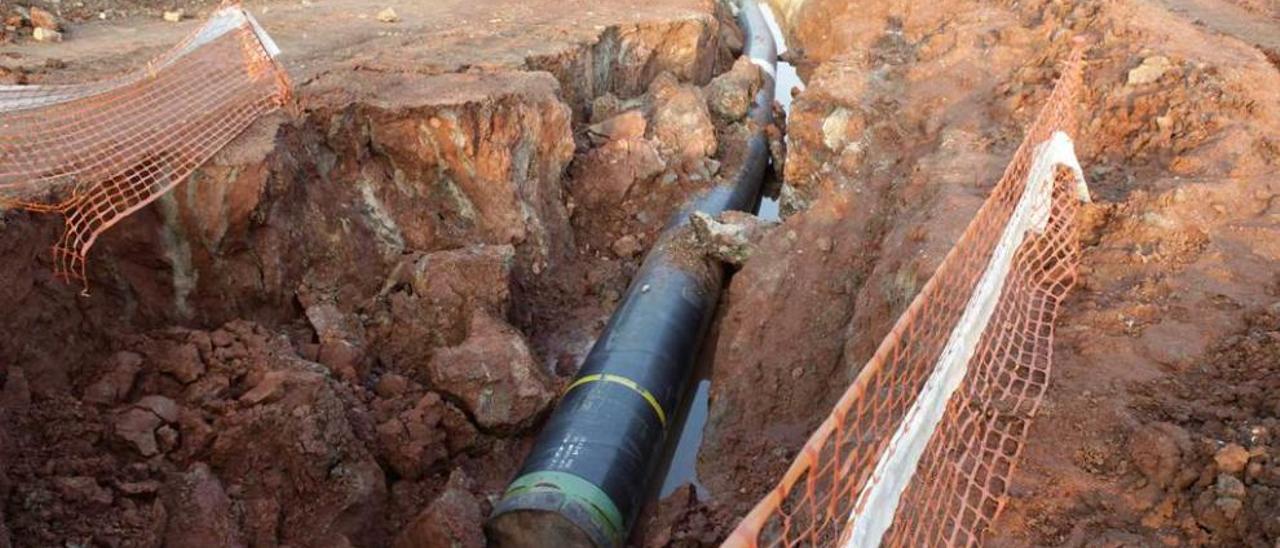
(919, 449)
(97, 152)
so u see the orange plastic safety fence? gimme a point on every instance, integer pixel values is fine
(960, 479)
(97, 152)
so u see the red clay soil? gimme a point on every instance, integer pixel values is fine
(347, 327)
(911, 112)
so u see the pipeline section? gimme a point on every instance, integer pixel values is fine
(586, 478)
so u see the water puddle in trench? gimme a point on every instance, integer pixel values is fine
(683, 467)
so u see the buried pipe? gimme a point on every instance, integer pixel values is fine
(585, 479)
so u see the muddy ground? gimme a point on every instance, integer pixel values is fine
(288, 348)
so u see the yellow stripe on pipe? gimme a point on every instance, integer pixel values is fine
(635, 387)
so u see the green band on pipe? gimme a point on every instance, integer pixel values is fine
(603, 511)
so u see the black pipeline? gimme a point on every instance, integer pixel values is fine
(586, 477)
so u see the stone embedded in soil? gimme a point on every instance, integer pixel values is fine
(137, 427)
(680, 121)
(493, 374)
(83, 488)
(627, 246)
(1229, 486)
(731, 94)
(121, 370)
(730, 239)
(424, 435)
(1156, 451)
(627, 125)
(42, 34)
(199, 511)
(452, 520)
(438, 295)
(388, 15)
(1151, 69)
(1232, 458)
(606, 175)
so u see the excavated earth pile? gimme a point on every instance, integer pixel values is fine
(346, 328)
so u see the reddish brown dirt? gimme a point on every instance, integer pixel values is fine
(911, 112)
(284, 350)
(346, 328)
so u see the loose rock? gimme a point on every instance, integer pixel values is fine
(1232, 458)
(730, 95)
(137, 426)
(494, 374)
(731, 239)
(388, 16)
(42, 34)
(681, 123)
(114, 386)
(1151, 69)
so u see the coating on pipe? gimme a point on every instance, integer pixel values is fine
(585, 479)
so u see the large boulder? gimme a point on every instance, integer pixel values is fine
(493, 374)
(681, 123)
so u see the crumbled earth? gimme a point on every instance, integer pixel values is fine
(347, 327)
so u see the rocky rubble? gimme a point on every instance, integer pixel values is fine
(1209, 456)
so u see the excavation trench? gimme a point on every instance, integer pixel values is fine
(349, 325)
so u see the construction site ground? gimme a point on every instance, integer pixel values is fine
(347, 328)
